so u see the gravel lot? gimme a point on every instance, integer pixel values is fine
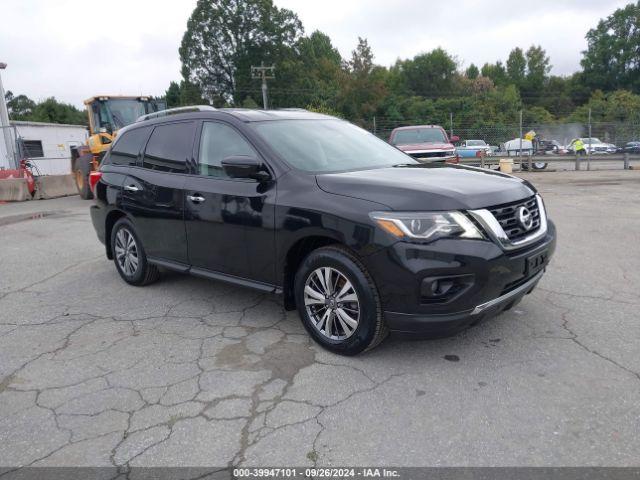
(190, 372)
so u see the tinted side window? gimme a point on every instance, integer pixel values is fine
(169, 147)
(128, 146)
(218, 142)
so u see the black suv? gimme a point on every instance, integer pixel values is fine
(356, 235)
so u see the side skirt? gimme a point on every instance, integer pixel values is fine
(223, 277)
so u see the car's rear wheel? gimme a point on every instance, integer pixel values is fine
(129, 256)
(338, 301)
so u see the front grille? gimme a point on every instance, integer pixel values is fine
(430, 154)
(507, 216)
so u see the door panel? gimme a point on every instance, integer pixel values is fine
(232, 229)
(153, 193)
(155, 200)
(229, 222)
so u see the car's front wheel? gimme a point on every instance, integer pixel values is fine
(129, 256)
(338, 301)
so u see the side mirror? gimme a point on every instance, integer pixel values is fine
(454, 138)
(244, 166)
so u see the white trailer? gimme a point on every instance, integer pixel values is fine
(48, 145)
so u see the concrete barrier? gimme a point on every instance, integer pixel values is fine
(14, 190)
(54, 186)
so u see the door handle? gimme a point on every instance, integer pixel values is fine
(132, 188)
(196, 198)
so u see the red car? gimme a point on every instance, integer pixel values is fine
(426, 143)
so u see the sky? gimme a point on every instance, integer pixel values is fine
(74, 49)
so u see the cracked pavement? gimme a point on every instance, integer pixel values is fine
(189, 372)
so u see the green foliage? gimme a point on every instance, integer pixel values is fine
(172, 95)
(50, 110)
(249, 102)
(617, 106)
(611, 59)
(429, 74)
(516, 67)
(313, 76)
(224, 38)
(472, 72)
(20, 107)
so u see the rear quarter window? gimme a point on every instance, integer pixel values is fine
(127, 147)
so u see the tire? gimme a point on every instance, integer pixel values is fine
(82, 168)
(539, 165)
(535, 165)
(342, 336)
(123, 235)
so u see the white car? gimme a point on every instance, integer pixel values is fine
(594, 146)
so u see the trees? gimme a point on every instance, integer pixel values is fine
(20, 107)
(362, 84)
(225, 37)
(496, 72)
(611, 59)
(516, 67)
(50, 110)
(430, 74)
(310, 77)
(172, 95)
(538, 68)
(472, 72)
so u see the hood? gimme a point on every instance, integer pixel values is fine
(425, 146)
(429, 187)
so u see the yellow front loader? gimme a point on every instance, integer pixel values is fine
(107, 115)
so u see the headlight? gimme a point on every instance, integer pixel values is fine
(427, 226)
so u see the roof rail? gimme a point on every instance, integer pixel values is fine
(293, 109)
(175, 111)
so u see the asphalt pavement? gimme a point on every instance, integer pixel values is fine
(191, 372)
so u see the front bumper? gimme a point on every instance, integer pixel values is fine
(500, 280)
(443, 325)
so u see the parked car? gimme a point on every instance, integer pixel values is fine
(361, 238)
(468, 148)
(426, 143)
(632, 147)
(551, 147)
(594, 146)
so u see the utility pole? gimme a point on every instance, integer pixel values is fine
(520, 152)
(264, 73)
(5, 127)
(589, 150)
(450, 124)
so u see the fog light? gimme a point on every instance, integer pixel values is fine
(445, 288)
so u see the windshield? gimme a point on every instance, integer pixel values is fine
(476, 143)
(419, 135)
(591, 140)
(328, 145)
(118, 113)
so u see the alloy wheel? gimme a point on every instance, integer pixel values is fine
(332, 303)
(127, 252)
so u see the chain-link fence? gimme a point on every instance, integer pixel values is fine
(558, 136)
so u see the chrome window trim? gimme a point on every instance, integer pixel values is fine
(493, 228)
